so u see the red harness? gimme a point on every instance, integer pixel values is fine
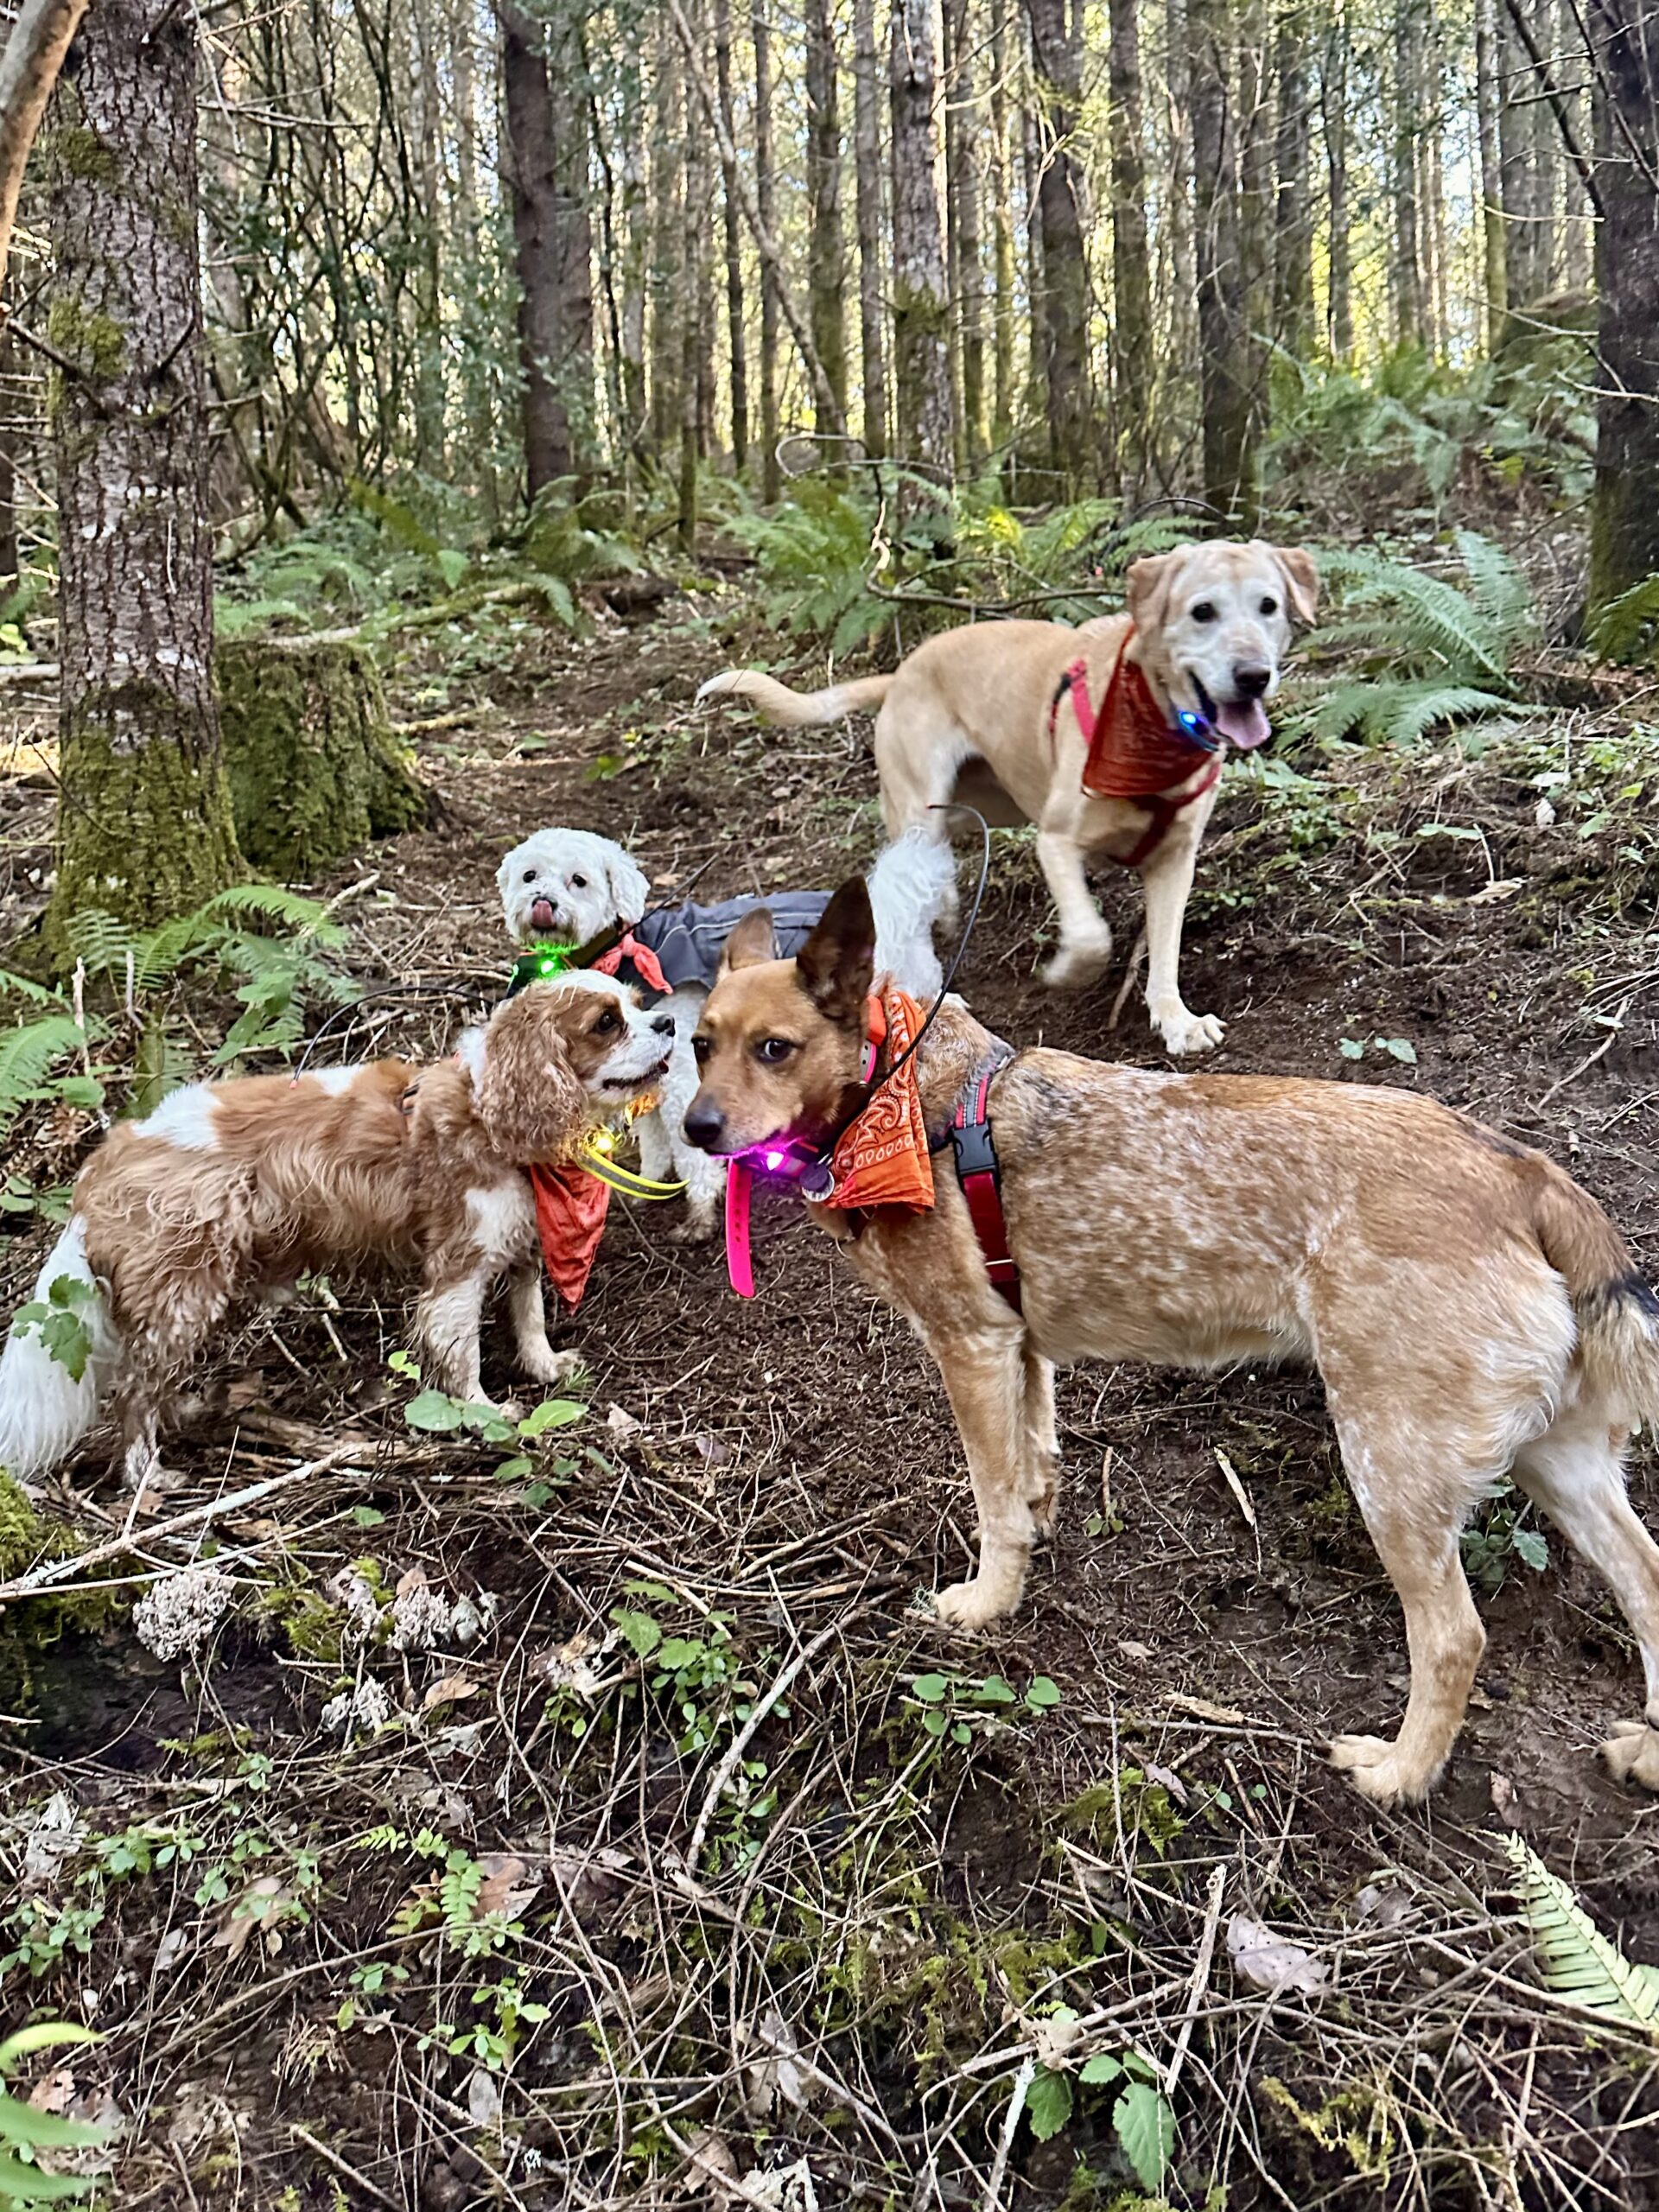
(981, 1178)
(1134, 752)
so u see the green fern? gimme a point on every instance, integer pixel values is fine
(1433, 655)
(1575, 1959)
(1627, 628)
(27, 1054)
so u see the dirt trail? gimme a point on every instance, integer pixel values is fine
(783, 1477)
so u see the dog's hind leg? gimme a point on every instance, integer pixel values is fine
(1415, 1523)
(984, 1376)
(1574, 1472)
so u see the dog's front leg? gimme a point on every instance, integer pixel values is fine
(1085, 934)
(447, 1325)
(704, 1178)
(536, 1355)
(984, 1377)
(1167, 875)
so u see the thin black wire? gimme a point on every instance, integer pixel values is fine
(963, 944)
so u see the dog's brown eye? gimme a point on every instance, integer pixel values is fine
(606, 1022)
(1205, 611)
(774, 1049)
(578, 883)
(1269, 606)
(701, 1048)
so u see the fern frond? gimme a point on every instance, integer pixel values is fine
(1499, 590)
(1626, 625)
(268, 900)
(26, 1055)
(25, 987)
(1574, 1958)
(101, 941)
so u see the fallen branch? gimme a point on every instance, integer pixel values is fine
(51, 1573)
(28, 69)
(1615, 1029)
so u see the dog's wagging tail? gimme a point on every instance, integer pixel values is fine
(1473, 1311)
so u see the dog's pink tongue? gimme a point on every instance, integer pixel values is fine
(541, 914)
(1244, 725)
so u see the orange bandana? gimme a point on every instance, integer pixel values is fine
(570, 1209)
(881, 1158)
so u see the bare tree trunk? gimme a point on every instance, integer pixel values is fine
(1494, 260)
(547, 153)
(1004, 309)
(1132, 348)
(826, 254)
(1431, 156)
(1333, 112)
(1031, 170)
(1625, 507)
(921, 363)
(1183, 263)
(1255, 80)
(1057, 63)
(738, 362)
(694, 208)
(427, 135)
(866, 155)
(667, 246)
(144, 824)
(1516, 155)
(962, 139)
(1293, 223)
(1547, 158)
(633, 222)
(1407, 269)
(765, 207)
(1230, 458)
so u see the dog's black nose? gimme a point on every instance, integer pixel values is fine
(705, 1125)
(664, 1025)
(1251, 682)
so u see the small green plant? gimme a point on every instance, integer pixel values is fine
(1575, 1959)
(1397, 1048)
(1432, 652)
(23, 2131)
(1498, 1536)
(1143, 2118)
(434, 1412)
(956, 1708)
(56, 1321)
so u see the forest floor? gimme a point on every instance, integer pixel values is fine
(593, 1920)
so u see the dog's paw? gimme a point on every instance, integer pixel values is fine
(1632, 1753)
(973, 1605)
(545, 1365)
(1184, 1032)
(1377, 1771)
(696, 1226)
(1074, 967)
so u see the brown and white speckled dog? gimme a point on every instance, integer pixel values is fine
(231, 1190)
(1472, 1311)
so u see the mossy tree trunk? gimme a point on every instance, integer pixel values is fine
(924, 417)
(314, 769)
(1624, 510)
(144, 828)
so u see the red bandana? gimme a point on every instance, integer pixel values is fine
(644, 960)
(570, 1209)
(1134, 748)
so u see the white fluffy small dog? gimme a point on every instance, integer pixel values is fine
(574, 889)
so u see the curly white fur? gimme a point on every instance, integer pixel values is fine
(589, 884)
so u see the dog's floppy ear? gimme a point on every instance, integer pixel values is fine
(1147, 588)
(630, 888)
(1301, 580)
(837, 962)
(525, 1093)
(752, 941)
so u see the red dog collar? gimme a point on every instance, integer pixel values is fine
(980, 1174)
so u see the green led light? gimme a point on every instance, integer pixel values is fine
(551, 959)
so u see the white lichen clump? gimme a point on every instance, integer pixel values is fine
(367, 1707)
(179, 1614)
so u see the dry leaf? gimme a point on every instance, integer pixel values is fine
(622, 1424)
(1490, 894)
(483, 2097)
(255, 1912)
(1273, 1962)
(715, 1449)
(449, 1690)
(1139, 1651)
(776, 2078)
(510, 1885)
(569, 1666)
(1168, 1779)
